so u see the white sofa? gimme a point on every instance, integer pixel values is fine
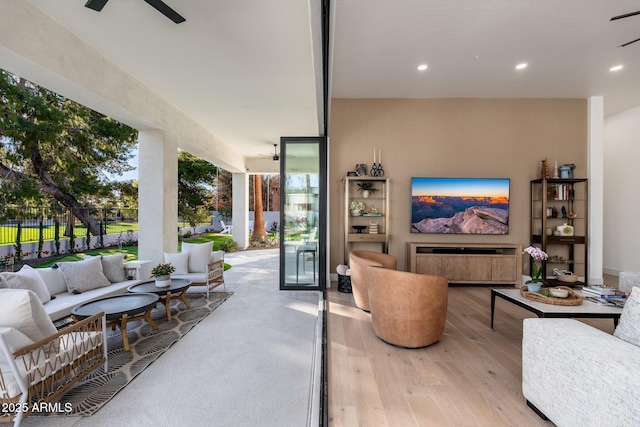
(64, 296)
(577, 375)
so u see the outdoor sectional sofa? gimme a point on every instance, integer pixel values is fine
(71, 283)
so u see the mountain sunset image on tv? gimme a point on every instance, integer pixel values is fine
(460, 205)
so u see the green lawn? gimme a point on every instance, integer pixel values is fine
(31, 233)
(132, 251)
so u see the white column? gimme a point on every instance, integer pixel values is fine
(595, 165)
(157, 196)
(240, 194)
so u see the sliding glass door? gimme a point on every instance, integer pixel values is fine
(303, 203)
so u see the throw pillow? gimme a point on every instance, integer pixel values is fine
(27, 278)
(178, 260)
(113, 267)
(199, 255)
(54, 279)
(83, 275)
(628, 328)
(15, 340)
(21, 309)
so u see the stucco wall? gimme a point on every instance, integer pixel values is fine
(452, 138)
(621, 201)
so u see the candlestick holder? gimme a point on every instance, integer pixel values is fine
(376, 170)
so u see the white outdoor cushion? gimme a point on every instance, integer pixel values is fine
(21, 309)
(179, 260)
(54, 280)
(216, 256)
(27, 278)
(113, 267)
(83, 275)
(628, 328)
(14, 339)
(199, 255)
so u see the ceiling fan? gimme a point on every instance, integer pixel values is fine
(626, 15)
(159, 5)
(276, 156)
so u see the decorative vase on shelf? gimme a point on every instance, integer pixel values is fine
(163, 281)
(365, 194)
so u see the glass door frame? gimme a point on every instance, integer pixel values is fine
(322, 214)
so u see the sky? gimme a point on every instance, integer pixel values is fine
(131, 175)
(480, 187)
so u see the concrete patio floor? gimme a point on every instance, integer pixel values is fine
(249, 363)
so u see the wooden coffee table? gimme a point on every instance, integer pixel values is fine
(587, 309)
(177, 290)
(119, 310)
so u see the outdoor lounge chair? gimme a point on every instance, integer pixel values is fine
(226, 229)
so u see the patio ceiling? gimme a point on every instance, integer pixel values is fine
(243, 69)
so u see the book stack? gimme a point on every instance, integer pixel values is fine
(604, 295)
(559, 192)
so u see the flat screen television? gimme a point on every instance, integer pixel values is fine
(460, 205)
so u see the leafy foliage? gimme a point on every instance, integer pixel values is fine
(196, 177)
(52, 147)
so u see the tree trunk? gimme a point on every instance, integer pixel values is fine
(51, 187)
(258, 221)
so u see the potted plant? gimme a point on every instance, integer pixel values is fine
(366, 188)
(536, 254)
(162, 274)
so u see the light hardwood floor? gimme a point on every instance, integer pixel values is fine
(472, 377)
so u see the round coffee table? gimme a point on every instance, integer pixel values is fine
(176, 290)
(119, 310)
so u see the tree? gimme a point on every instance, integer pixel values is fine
(259, 232)
(196, 177)
(52, 146)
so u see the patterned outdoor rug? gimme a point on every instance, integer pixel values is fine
(96, 389)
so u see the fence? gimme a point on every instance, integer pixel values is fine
(31, 224)
(37, 232)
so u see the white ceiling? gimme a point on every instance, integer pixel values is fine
(241, 68)
(245, 69)
(569, 46)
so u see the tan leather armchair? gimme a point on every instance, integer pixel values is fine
(407, 309)
(358, 261)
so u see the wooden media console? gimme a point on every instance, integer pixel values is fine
(467, 262)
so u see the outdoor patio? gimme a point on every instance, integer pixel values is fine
(250, 362)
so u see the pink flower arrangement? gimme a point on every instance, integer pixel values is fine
(538, 255)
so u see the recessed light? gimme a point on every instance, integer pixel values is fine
(521, 66)
(422, 67)
(616, 68)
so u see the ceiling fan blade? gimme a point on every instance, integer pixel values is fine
(163, 8)
(96, 5)
(627, 44)
(626, 15)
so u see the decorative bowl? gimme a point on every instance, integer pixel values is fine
(559, 292)
(359, 228)
(567, 278)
